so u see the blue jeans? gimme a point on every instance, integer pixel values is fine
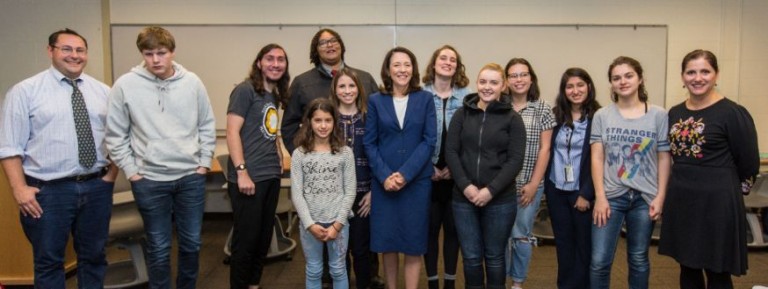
(483, 233)
(337, 260)
(521, 241)
(632, 208)
(80, 208)
(160, 203)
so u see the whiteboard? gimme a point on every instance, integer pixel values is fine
(222, 54)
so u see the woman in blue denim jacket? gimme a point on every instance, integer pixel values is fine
(446, 79)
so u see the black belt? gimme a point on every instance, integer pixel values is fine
(77, 178)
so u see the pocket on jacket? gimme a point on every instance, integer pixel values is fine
(172, 153)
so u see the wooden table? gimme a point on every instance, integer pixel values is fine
(215, 166)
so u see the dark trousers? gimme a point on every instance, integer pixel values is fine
(441, 216)
(693, 278)
(254, 221)
(573, 231)
(360, 246)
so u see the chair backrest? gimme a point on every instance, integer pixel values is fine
(223, 161)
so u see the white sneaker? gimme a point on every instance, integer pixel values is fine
(759, 287)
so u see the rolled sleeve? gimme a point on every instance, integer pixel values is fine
(14, 124)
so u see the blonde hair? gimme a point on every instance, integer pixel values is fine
(494, 67)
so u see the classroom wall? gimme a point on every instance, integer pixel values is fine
(24, 30)
(732, 29)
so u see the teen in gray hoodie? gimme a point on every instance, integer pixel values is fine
(160, 131)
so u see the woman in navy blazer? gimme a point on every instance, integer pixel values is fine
(400, 135)
(568, 184)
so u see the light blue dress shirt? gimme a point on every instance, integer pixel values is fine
(573, 158)
(37, 124)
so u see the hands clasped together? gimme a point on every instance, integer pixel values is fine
(394, 182)
(479, 197)
(325, 234)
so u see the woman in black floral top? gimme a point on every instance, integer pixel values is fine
(713, 142)
(349, 96)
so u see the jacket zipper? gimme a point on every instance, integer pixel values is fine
(479, 147)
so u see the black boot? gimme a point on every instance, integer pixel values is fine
(449, 284)
(434, 284)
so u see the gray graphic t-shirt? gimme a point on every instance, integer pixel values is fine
(631, 149)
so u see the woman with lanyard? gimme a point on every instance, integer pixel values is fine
(568, 183)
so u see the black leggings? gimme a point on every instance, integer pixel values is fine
(693, 278)
(441, 215)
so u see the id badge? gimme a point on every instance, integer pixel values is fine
(569, 174)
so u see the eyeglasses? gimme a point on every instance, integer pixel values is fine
(66, 50)
(327, 42)
(519, 75)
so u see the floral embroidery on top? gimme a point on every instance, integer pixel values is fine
(686, 138)
(746, 185)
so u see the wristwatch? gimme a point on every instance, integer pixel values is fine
(240, 167)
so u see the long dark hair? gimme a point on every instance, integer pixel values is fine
(459, 78)
(257, 79)
(386, 77)
(305, 138)
(361, 102)
(641, 92)
(562, 109)
(533, 91)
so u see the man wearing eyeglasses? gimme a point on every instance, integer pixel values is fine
(53, 154)
(160, 132)
(327, 54)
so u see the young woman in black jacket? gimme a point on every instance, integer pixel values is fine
(484, 152)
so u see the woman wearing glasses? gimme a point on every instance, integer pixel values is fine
(539, 121)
